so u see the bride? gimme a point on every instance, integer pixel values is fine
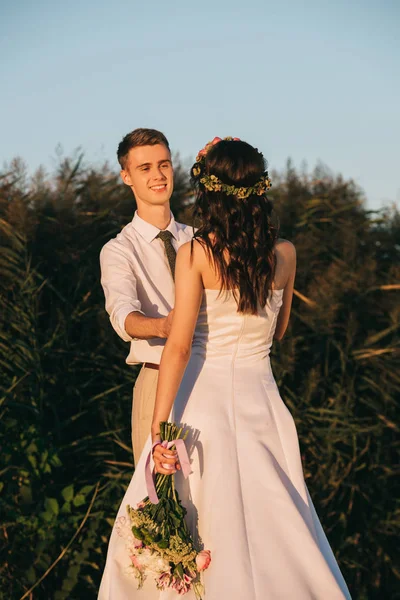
(247, 500)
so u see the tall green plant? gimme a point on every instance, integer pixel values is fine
(65, 391)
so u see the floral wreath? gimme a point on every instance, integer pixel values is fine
(213, 184)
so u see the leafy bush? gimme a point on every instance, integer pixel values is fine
(65, 391)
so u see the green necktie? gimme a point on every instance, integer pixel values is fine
(170, 251)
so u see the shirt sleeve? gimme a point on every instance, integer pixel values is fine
(120, 288)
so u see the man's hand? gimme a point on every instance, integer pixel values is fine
(166, 323)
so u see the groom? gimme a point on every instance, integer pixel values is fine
(137, 268)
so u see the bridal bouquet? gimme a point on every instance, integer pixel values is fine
(156, 534)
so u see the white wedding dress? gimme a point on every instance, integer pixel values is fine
(246, 497)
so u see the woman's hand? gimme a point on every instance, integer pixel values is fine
(165, 461)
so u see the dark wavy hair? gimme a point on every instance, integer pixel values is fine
(238, 234)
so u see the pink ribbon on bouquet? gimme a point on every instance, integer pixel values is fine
(183, 461)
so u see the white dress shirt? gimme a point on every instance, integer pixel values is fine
(136, 276)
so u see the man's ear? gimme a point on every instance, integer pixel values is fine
(126, 178)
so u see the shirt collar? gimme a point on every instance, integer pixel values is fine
(149, 232)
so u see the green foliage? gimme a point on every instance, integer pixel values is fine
(338, 369)
(65, 390)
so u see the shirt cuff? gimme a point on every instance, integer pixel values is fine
(118, 320)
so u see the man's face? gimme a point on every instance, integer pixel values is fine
(148, 171)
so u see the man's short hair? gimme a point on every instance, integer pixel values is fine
(139, 137)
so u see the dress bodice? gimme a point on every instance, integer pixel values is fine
(222, 331)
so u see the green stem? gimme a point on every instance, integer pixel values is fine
(173, 487)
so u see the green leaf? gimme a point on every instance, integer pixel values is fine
(32, 460)
(148, 538)
(86, 490)
(31, 575)
(26, 494)
(66, 508)
(51, 506)
(68, 493)
(79, 500)
(178, 570)
(139, 535)
(73, 573)
(44, 458)
(32, 448)
(55, 461)
(47, 516)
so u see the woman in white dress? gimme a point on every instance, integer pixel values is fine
(247, 500)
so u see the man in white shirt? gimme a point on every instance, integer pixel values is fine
(137, 268)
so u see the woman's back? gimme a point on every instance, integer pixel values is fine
(219, 312)
(224, 333)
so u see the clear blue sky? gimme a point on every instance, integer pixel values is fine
(313, 80)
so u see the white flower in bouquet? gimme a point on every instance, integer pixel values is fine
(124, 529)
(151, 562)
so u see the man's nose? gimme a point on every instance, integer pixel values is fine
(160, 174)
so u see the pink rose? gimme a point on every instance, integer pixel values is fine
(206, 148)
(236, 139)
(203, 560)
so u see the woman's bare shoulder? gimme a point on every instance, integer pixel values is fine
(194, 251)
(285, 249)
